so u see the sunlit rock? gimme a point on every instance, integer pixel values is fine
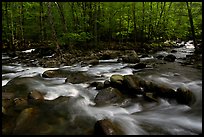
(116, 79)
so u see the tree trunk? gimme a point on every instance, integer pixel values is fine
(51, 20)
(41, 22)
(22, 24)
(143, 24)
(150, 22)
(95, 24)
(8, 26)
(12, 31)
(192, 25)
(134, 22)
(60, 9)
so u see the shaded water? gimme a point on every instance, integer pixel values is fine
(135, 116)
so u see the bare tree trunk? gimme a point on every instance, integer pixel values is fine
(134, 22)
(51, 20)
(95, 24)
(128, 25)
(22, 23)
(150, 22)
(12, 31)
(143, 27)
(8, 26)
(41, 22)
(192, 25)
(60, 9)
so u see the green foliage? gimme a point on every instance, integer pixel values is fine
(74, 37)
(97, 21)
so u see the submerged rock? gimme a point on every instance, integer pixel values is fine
(106, 127)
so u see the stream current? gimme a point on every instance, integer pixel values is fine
(136, 118)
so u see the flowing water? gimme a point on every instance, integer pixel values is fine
(134, 116)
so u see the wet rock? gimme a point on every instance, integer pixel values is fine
(100, 86)
(7, 106)
(116, 80)
(20, 103)
(40, 52)
(26, 121)
(3, 110)
(51, 63)
(131, 83)
(150, 97)
(35, 97)
(107, 83)
(170, 58)
(108, 54)
(20, 86)
(108, 96)
(130, 57)
(106, 127)
(139, 66)
(185, 96)
(78, 77)
(163, 90)
(55, 73)
(90, 62)
(7, 95)
(173, 51)
(144, 56)
(160, 56)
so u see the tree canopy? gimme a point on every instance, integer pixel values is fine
(76, 23)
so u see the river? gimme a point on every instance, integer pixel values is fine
(136, 117)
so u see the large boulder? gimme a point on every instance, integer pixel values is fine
(108, 96)
(116, 80)
(26, 121)
(35, 97)
(170, 58)
(185, 96)
(56, 73)
(20, 86)
(140, 66)
(130, 57)
(132, 85)
(107, 127)
(78, 77)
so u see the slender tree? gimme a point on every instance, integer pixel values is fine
(54, 35)
(191, 24)
(134, 22)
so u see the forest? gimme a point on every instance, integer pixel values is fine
(101, 68)
(96, 24)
